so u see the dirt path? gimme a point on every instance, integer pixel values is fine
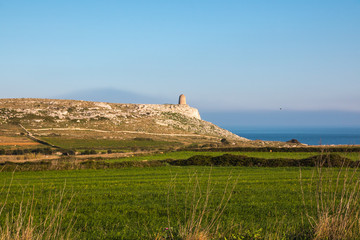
(32, 137)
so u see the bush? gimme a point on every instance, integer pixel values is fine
(92, 151)
(293, 141)
(88, 152)
(17, 152)
(69, 152)
(47, 151)
(333, 160)
(26, 151)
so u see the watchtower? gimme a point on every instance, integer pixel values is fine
(182, 99)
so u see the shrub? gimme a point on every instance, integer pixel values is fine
(47, 151)
(92, 151)
(89, 152)
(68, 152)
(293, 141)
(17, 152)
(26, 151)
(334, 160)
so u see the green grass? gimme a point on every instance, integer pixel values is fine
(107, 143)
(267, 155)
(131, 203)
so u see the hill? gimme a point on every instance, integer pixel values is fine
(81, 124)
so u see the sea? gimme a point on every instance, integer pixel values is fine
(307, 135)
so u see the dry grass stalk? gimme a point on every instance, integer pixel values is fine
(20, 224)
(335, 193)
(199, 221)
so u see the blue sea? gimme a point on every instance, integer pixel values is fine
(308, 135)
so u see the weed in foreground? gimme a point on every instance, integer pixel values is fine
(332, 208)
(24, 222)
(200, 218)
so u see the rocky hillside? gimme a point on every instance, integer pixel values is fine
(45, 117)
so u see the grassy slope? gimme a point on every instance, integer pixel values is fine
(131, 203)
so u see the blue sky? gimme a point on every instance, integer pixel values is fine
(223, 55)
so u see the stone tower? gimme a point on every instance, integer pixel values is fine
(182, 99)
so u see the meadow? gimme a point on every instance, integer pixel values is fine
(144, 197)
(140, 203)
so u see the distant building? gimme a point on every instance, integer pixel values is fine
(182, 99)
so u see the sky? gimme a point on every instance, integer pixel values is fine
(225, 56)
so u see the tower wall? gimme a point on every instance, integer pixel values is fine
(182, 99)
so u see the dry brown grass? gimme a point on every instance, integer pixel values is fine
(19, 143)
(28, 157)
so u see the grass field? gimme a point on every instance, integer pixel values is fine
(132, 203)
(145, 202)
(267, 155)
(100, 144)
